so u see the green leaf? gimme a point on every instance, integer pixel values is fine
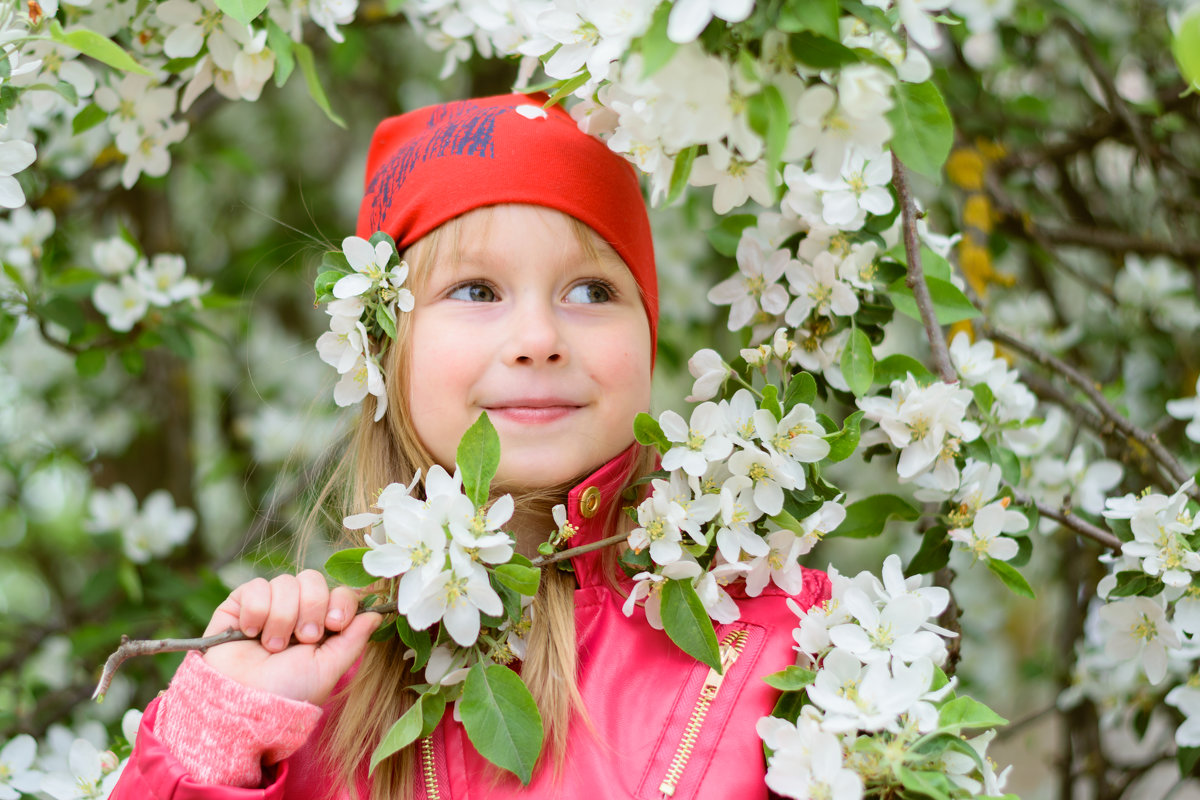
(858, 363)
(1187, 757)
(655, 47)
(304, 57)
(88, 117)
(680, 172)
(281, 45)
(934, 745)
(725, 235)
(566, 88)
(323, 285)
(866, 518)
(244, 11)
(501, 719)
(1135, 582)
(345, 567)
(818, 16)
(519, 578)
(99, 47)
(965, 712)
(844, 442)
(433, 706)
(932, 785)
(802, 388)
(384, 236)
(770, 119)
(649, 433)
(790, 678)
(403, 732)
(950, 305)
(386, 318)
(820, 51)
(8, 324)
(932, 264)
(983, 397)
(922, 130)
(770, 401)
(1011, 578)
(788, 705)
(687, 623)
(897, 367)
(1185, 46)
(478, 457)
(933, 554)
(131, 581)
(419, 642)
(91, 362)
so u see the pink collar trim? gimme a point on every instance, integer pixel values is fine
(591, 506)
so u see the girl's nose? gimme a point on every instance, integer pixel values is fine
(536, 337)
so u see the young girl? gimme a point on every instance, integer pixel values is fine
(536, 301)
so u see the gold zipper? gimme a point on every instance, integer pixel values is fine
(428, 769)
(731, 648)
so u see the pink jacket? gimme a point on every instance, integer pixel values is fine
(662, 724)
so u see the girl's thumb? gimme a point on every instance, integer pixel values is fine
(343, 649)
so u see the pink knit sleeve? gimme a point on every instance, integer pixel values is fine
(223, 732)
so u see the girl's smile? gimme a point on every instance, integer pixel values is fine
(545, 332)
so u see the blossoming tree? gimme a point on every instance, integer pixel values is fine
(930, 269)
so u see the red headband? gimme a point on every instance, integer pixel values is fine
(430, 165)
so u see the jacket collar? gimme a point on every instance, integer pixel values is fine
(592, 506)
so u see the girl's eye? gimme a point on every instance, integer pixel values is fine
(590, 292)
(474, 293)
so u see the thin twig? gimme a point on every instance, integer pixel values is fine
(916, 275)
(1064, 516)
(1175, 470)
(563, 555)
(131, 648)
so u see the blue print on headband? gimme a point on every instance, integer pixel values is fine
(455, 129)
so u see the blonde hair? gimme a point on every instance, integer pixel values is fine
(390, 451)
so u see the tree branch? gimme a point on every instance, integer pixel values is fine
(131, 648)
(1149, 441)
(1064, 516)
(563, 555)
(916, 275)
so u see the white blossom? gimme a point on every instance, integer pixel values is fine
(1136, 628)
(695, 444)
(756, 288)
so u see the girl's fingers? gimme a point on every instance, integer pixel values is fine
(285, 608)
(251, 604)
(343, 605)
(314, 606)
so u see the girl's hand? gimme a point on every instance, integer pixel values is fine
(290, 605)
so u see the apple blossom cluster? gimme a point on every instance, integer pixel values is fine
(133, 284)
(439, 547)
(1142, 632)
(879, 706)
(364, 287)
(722, 503)
(151, 532)
(160, 58)
(69, 767)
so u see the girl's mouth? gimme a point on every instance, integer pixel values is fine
(533, 410)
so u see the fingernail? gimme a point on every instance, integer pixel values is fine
(251, 632)
(309, 631)
(336, 615)
(275, 644)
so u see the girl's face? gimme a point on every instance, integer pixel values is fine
(553, 344)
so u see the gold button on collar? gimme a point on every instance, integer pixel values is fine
(589, 502)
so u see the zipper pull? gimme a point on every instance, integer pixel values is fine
(713, 681)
